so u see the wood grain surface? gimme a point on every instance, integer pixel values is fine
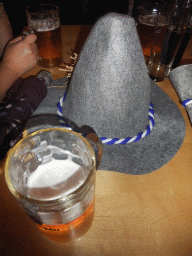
(134, 215)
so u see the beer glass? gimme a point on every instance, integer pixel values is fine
(44, 19)
(161, 61)
(152, 21)
(51, 173)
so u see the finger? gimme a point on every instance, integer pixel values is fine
(15, 40)
(34, 49)
(30, 39)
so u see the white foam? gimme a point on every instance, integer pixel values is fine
(52, 173)
(44, 25)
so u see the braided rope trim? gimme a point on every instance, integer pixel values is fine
(112, 141)
(185, 103)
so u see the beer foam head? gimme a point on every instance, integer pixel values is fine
(52, 173)
(44, 25)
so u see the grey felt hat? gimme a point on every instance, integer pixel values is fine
(181, 78)
(110, 91)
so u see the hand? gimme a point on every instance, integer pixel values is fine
(21, 55)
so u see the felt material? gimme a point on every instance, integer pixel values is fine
(110, 87)
(110, 91)
(181, 78)
(140, 157)
(155, 150)
(45, 114)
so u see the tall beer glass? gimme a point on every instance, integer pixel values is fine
(44, 19)
(51, 172)
(160, 62)
(152, 22)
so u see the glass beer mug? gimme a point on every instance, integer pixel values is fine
(51, 173)
(44, 20)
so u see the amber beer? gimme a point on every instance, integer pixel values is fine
(49, 44)
(61, 218)
(44, 19)
(70, 231)
(151, 30)
(52, 173)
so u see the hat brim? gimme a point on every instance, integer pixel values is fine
(156, 149)
(141, 157)
(153, 151)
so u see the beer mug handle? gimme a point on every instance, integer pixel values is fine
(95, 142)
(28, 32)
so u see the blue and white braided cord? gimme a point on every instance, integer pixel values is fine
(187, 102)
(112, 141)
(60, 114)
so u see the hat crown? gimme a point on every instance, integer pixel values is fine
(110, 86)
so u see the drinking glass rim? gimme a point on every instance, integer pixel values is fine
(66, 198)
(39, 8)
(153, 7)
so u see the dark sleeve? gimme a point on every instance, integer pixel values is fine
(21, 101)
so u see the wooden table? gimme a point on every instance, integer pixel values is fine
(135, 215)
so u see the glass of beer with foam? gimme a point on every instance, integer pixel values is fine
(152, 21)
(44, 20)
(51, 173)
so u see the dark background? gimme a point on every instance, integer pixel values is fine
(71, 11)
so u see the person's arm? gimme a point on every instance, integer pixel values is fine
(6, 32)
(20, 56)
